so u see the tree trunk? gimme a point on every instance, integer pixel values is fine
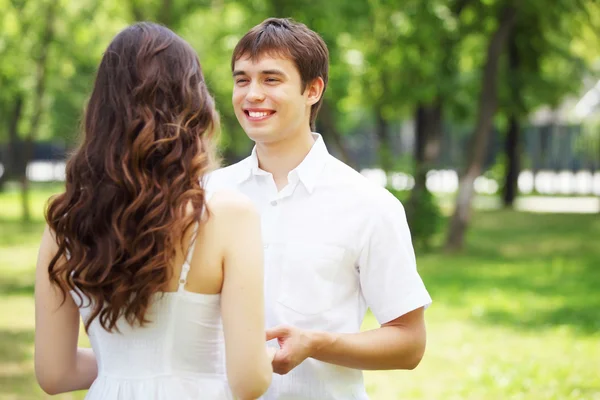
(13, 148)
(428, 133)
(3, 177)
(165, 14)
(38, 105)
(513, 152)
(428, 120)
(428, 117)
(479, 142)
(512, 144)
(24, 180)
(383, 137)
(26, 216)
(329, 130)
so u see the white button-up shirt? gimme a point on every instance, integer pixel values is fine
(335, 245)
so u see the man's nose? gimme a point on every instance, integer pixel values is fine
(255, 93)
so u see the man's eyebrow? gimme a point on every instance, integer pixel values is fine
(263, 72)
(272, 72)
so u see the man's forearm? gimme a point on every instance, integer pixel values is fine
(388, 347)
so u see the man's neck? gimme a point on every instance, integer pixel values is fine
(279, 158)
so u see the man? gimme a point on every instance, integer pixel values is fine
(335, 244)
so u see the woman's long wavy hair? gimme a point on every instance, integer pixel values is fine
(147, 143)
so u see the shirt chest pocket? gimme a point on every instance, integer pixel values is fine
(309, 277)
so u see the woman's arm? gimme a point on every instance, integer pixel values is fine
(59, 365)
(249, 369)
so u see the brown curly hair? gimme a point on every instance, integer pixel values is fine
(147, 142)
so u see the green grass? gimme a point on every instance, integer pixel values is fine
(516, 316)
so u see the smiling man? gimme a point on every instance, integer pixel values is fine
(335, 244)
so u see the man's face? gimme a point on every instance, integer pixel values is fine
(268, 99)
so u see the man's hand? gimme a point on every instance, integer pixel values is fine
(296, 345)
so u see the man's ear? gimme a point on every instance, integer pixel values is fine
(315, 91)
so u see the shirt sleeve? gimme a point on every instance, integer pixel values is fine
(390, 282)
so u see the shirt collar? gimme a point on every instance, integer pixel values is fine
(308, 171)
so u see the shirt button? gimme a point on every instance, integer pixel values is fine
(274, 202)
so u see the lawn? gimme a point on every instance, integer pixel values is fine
(517, 316)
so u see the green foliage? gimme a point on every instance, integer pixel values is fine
(498, 170)
(424, 216)
(81, 31)
(387, 57)
(384, 53)
(588, 144)
(214, 43)
(548, 67)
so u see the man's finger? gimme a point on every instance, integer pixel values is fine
(276, 332)
(279, 370)
(280, 365)
(280, 357)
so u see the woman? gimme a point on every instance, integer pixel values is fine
(168, 280)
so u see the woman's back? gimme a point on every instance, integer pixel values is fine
(180, 353)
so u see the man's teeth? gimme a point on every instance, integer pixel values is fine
(260, 114)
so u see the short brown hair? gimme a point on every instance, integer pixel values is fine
(291, 39)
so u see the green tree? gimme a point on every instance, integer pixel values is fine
(26, 83)
(543, 66)
(556, 21)
(479, 141)
(48, 46)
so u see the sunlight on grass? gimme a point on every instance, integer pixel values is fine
(514, 317)
(10, 199)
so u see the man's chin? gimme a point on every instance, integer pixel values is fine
(260, 135)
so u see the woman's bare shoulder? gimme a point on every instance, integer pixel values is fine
(226, 204)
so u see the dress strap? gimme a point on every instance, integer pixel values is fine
(185, 268)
